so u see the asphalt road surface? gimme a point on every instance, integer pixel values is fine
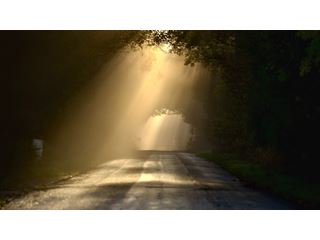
(154, 180)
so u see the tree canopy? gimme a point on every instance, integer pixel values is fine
(262, 101)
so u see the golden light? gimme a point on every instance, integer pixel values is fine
(166, 47)
(164, 132)
(115, 114)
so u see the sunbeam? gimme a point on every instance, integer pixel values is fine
(124, 95)
(164, 132)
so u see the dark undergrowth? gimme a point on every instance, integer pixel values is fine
(30, 178)
(292, 188)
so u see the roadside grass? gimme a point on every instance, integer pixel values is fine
(291, 188)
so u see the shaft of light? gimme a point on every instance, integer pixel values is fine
(113, 115)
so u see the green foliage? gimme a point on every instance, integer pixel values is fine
(312, 57)
(290, 187)
(263, 96)
(262, 101)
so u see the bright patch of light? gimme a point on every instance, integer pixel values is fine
(164, 132)
(166, 47)
(117, 113)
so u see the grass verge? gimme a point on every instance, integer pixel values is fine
(291, 188)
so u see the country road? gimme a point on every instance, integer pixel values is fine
(154, 180)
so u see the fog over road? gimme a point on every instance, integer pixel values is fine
(154, 180)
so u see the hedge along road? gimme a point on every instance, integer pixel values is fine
(153, 180)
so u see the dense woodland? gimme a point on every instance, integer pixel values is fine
(262, 102)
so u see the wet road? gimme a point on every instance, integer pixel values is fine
(157, 180)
